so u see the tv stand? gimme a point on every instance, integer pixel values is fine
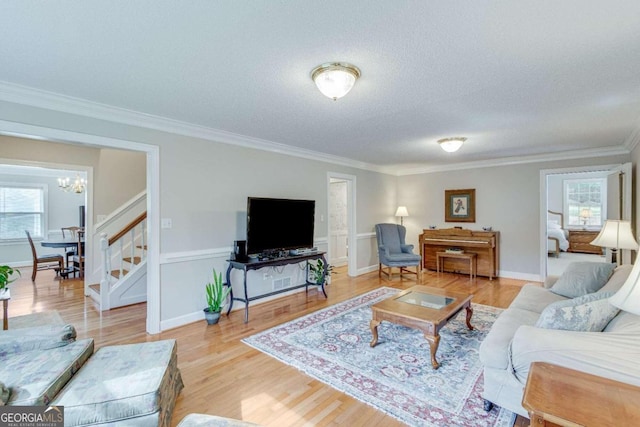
(256, 264)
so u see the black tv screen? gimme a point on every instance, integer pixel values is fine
(274, 224)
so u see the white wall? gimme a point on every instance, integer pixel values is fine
(507, 199)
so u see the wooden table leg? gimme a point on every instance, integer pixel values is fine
(469, 314)
(434, 342)
(5, 320)
(373, 324)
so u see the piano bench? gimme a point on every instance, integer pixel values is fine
(471, 257)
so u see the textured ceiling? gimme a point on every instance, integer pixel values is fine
(525, 78)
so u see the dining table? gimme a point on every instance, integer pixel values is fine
(67, 242)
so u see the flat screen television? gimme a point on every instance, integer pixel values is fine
(277, 224)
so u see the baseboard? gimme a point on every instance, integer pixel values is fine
(366, 270)
(520, 276)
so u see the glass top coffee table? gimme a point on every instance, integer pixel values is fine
(424, 308)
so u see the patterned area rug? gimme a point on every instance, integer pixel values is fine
(332, 345)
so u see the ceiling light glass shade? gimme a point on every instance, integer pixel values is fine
(616, 234)
(335, 79)
(451, 144)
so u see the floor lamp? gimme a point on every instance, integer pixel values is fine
(616, 234)
(402, 212)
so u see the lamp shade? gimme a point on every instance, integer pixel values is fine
(628, 297)
(616, 234)
(585, 213)
(335, 79)
(402, 211)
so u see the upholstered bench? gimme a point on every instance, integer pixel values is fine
(204, 420)
(133, 384)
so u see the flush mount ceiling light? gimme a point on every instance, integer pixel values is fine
(335, 79)
(451, 144)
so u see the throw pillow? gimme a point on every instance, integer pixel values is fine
(581, 278)
(588, 313)
(553, 225)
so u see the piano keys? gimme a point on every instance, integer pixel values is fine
(485, 244)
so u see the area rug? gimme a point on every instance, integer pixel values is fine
(332, 345)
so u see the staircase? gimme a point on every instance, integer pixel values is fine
(123, 266)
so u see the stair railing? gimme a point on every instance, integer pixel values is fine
(133, 233)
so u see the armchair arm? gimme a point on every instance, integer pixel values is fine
(550, 281)
(607, 354)
(407, 249)
(383, 250)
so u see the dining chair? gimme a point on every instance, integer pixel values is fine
(70, 251)
(78, 258)
(44, 262)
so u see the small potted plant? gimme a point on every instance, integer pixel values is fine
(216, 297)
(5, 276)
(317, 272)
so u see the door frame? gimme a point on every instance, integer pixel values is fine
(153, 196)
(626, 211)
(352, 258)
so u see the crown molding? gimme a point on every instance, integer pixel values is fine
(24, 95)
(564, 155)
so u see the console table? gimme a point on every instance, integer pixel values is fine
(256, 264)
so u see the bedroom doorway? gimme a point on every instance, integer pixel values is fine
(575, 202)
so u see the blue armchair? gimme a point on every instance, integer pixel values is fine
(393, 252)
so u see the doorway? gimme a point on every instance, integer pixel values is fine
(341, 221)
(153, 196)
(566, 230)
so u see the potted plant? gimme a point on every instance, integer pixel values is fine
(5, 276)
(216, 297)
(317, 275)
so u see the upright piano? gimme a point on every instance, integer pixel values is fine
(485, 244)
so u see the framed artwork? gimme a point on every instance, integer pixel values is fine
(460, 205)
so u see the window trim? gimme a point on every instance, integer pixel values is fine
(603, 200)
(45, 212)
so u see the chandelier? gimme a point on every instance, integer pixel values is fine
(335, 79)
(77, 186)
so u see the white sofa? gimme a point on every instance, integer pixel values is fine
(514, 343)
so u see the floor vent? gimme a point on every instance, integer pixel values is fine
(282, 283)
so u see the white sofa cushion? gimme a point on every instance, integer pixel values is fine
(589, 313)
(534, 298)
(581, 278)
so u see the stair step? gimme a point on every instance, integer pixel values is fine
(116, 273)
(136, 259)
(142, 247)
(95, 287)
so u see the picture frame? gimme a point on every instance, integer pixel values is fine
(460, 205)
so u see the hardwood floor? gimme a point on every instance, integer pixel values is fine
(223, 376)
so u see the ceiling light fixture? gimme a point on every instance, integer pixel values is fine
(335, 79)
(77, 186)
(451, 144)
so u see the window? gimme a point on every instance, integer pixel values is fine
(585, 202)
(22, 207)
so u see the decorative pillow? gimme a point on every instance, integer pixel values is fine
(4, 394)
(553, 225)
(581, 278)
(588, 313)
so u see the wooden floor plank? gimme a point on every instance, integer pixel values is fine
(222, 375)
